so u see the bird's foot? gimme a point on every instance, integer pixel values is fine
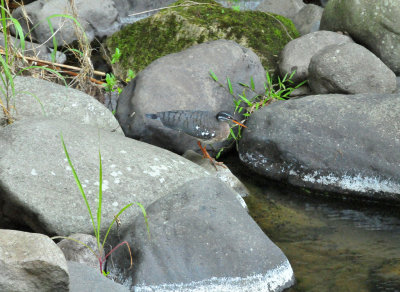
(216, 163)
(206, 155)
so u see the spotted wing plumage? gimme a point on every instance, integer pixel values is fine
(199, 124)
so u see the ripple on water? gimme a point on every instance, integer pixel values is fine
(332, 246)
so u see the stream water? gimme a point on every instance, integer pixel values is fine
(332, 245)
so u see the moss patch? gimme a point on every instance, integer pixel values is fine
(173, 30)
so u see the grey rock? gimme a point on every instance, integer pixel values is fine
(348, 144)
(203, 240)
(301, 91)
(76, 252)
(85, 279)
(38, 98)
(37, 187)
(31, 262)
(296, 55)
(349, 68)
(97, 20)
(373, 23)
(308, 18)
(41, 52)
(222, 173)
(181, 81)
(287, 8)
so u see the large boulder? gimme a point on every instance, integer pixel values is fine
(202, 239)
(182, 81)
(31, 262)
(348, 144)
(177, 28)
(97, 20)
(349, 68)
(37, 187)
(38, 98)
(297, 54)
(372, 23)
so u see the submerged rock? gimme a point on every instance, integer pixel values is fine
(348, 144)
(175, 29)
(202, 239)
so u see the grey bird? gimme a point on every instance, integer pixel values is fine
(205, 126)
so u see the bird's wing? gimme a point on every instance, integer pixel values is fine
(199, 124)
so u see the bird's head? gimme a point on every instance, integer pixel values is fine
(226, 117)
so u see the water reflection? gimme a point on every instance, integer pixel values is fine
(332, 246)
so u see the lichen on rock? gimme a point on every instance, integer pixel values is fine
(177, 28)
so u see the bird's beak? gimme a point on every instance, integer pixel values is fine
(240, 124)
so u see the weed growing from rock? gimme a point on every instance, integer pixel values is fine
(280, 90)
(96, 225)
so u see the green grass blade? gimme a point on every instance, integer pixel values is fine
(75, 51)
(79, 185)
(213, 76)
(230, 86)
(284, 78)
(301, 84)
(252, 83)
(20, 33)
(9, 80)
(233, 134)
(243, 97)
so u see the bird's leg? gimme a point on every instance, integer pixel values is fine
(206, 155)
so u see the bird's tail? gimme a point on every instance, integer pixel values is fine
(152, 116)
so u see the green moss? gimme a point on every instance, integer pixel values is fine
(173, 30)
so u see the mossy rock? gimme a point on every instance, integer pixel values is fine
(175, 29)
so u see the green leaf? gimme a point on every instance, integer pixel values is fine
(116, 56)
(219, 153)
(233, 134)
(131, 75)
(78, 182)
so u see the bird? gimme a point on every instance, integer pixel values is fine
(205, 126)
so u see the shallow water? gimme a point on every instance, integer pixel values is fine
(331, 245)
